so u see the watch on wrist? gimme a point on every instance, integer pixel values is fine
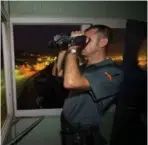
(72, 51)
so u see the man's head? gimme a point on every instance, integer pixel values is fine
(100, 37)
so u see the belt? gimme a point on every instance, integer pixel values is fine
(76, 127)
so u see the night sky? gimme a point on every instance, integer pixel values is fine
(34, 38)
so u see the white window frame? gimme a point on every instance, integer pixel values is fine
(114, 23)
(8, 83)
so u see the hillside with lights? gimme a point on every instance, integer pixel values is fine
(27, 64)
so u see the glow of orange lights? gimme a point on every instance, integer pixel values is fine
(29, 70)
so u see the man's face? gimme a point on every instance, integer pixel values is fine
(95, 44)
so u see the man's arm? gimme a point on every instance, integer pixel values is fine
(73, 79)
(58, 66)
(54, 68)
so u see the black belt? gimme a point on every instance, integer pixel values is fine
(76, 127)
(89, 133)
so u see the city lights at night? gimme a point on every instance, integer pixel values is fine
(27, 69)
(41, 61)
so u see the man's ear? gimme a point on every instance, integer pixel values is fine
(103, 42)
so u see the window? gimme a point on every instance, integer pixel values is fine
(35, 86)
(115, 50)
(142, 56)
(3, 88)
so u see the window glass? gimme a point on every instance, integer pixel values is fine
(36, 87)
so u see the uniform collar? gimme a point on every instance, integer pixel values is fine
(104, 62)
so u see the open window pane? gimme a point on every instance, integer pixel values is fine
(3, 87)
(35, 86)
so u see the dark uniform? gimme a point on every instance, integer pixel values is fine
(86, 107)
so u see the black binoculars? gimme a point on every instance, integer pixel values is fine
(62, 41)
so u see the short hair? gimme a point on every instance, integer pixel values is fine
(105, 30)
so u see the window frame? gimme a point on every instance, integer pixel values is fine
(114, 23)
(5, 26)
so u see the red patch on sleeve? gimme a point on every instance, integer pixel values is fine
(109, 77)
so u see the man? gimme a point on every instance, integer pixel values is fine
(89, 86)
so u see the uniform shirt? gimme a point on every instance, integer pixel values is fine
(84, 107)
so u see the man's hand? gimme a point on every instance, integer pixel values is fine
(75, 34)
(59, 64)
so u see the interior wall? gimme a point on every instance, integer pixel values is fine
(117, 9)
